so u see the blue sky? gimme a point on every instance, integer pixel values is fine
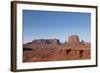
(52, 24)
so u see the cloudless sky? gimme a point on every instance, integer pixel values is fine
(52, 24)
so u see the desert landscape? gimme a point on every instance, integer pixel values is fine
(40, 50)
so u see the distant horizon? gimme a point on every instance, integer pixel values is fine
(52, 24)
(66, 40)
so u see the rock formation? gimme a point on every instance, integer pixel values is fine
(54, 50)
(73, 39)
(46, 41)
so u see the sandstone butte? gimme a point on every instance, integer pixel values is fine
(53, 50)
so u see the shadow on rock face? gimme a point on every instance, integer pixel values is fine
(27, 49)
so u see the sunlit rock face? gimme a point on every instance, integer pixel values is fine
(53, 50)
